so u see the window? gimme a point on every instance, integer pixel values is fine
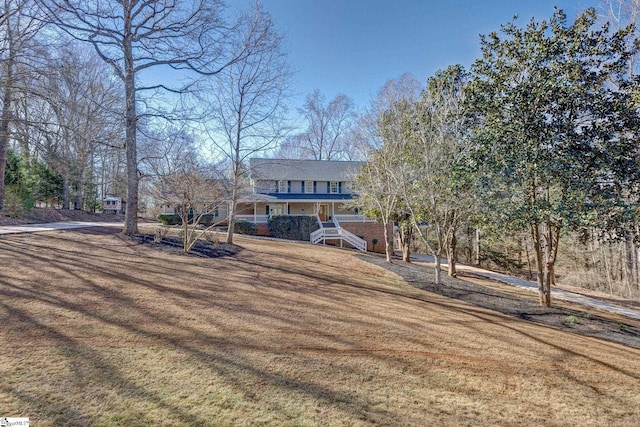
(334, 187)
(283, 186)
(308, 187)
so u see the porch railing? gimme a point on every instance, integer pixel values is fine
(257, 219)
(352, 218)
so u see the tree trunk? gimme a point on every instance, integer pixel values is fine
(451, 256)
(237, 164)
(4, 132)
(406, 252)
(476, 248)
(231, 218)
(185, 223)
(406, 234)
(233, 207)
(388, 244)
(630, 262)
(7, 98)
(65, 190)
(131, 212)
(438, 279)
(544, 291)
(78, 203)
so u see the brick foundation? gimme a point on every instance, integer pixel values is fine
(369, 231)
(263, 230)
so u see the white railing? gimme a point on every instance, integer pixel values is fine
(256, 219)
(338, 233)
(353, 240)
(317, 236)
(353, 218)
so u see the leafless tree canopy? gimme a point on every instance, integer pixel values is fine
(246, 101)
(133, 36)
(327, 124)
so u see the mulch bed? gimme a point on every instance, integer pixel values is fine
(174, 245)
(582, 322)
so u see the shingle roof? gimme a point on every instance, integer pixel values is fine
(303, 170)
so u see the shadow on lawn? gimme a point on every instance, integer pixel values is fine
(578, 321)
(104, 276)
(222, 354)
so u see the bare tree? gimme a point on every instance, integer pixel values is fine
(83, 97)
(385, 129)
(326, 124)
(437, 145)
(17, 34)
(193, 188)
(622, 13)
(247, 101)
(133, 37)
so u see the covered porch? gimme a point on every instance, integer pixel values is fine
(259, 211)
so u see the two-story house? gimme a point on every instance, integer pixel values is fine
(320, 188)
(317, 188)
(299, 187)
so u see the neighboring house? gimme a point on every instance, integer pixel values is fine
(113, 205)
(320, 188)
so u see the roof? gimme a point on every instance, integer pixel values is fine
(303, 170)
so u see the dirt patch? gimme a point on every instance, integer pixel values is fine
(517, 303)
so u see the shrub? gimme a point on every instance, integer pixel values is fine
(169, 219)
(292, 227)
(160, 233)
(208, 219)
(572, 319)
(245, 227)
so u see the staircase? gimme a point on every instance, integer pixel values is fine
(333, 231)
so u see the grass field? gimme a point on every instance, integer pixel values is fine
(99, 330)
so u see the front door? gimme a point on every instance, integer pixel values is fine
(323, 213)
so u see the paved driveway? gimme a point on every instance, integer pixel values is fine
(30, 228)
(533, 286)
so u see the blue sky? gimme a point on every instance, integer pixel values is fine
(355, 46)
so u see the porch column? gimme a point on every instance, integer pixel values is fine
(255, 219)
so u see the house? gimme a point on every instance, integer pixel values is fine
(319, 188)
(113, 205)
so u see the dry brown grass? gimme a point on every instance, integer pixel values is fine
(98, 330)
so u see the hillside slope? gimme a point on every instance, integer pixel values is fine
(101, 330)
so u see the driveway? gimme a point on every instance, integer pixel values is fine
(52, 226)
(533, 286)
